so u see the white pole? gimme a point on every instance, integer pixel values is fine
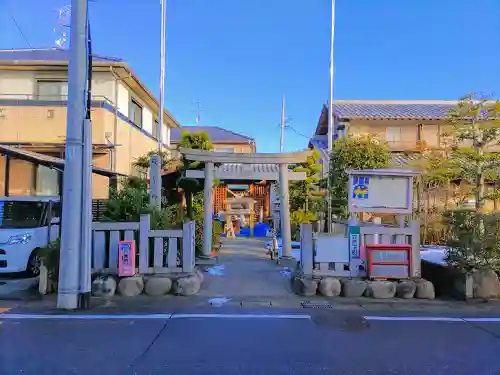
(330, 116)
(69, 272)
(86, 252)
(282, 138)
(155, 162)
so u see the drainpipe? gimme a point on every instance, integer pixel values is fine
(115, 122)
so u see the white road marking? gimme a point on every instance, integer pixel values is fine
(242, 316)
(83, 317)
(432, 319)
(150, 316)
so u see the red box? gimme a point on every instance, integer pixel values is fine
(377, 267)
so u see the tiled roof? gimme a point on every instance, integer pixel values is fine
(215, 134)
(46, 54)
(430, 110)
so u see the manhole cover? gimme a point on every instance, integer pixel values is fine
(316, 305)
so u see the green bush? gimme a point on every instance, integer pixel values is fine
(216, 232)
(49, 256)
(129, 202)
(473, 239)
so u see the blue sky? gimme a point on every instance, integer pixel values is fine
(239, 56)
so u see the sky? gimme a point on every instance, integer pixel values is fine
(238, 57)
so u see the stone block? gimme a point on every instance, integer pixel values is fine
(158, 286)
(486, 284)
(406, 289)
(380, 289)
(305, 287)
(330, 287)
(131, 286)
(104, 286)
(353, 287)
(187, 286)
(425, 289)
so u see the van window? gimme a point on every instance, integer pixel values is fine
(19, 214)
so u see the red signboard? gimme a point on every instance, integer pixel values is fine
(388, 261)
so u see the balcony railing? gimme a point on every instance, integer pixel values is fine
(49, 98)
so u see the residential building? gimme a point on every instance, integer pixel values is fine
(405, 125)
(33, 103)
(223, 140)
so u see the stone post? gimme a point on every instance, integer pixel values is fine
(208, 209)
(286, 235)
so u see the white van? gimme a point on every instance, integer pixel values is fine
(26, 225)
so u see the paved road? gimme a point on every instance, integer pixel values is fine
(330, 343)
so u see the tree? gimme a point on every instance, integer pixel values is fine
(197, 141)
(143, 161)
(305, 195)
(476, 127)
(353, 152)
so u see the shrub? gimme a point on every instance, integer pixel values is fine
(474, 239)
(216, 232)
(49, 256)
(128, 202)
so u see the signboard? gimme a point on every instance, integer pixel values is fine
(126, 258)
(354, 242)
(382, 190)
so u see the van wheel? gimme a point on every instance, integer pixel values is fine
(33, 266)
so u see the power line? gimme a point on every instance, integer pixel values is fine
(20, 30)
(297, 132)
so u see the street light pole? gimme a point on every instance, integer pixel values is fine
(330, 117)
(71, 235)
(282, 125)
(156, 160)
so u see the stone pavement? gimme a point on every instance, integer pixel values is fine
(248, 272)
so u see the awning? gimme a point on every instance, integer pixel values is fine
(48, 161)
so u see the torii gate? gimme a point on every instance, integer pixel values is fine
(282, 159)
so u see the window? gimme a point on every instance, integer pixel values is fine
(3, 166)
(393, 134)
(224, 149)
(135, 113)
(21, 178)
(47, 181)
(20, 214)
(52, 90)
(156, 124)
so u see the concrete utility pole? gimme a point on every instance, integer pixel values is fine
(330, 116)
(155, 164)
(71, 236)
(282, 138)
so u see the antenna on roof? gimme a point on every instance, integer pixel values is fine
(62, 25)
(198, 111)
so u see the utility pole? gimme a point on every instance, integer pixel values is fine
(155, 164)
(198, 112)
(330, 117)
(71, 236)
(282, 138)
